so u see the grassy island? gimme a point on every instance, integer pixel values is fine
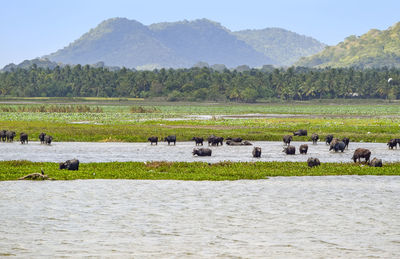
(197, 171)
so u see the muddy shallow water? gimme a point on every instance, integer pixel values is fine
(282, 217)
(106, 152)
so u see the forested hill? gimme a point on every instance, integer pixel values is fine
(374, 49)
(123, 42)
(283, 46)
(198, 84)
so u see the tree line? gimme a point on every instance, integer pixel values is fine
(198, 84)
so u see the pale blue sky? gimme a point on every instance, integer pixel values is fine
(33, 28)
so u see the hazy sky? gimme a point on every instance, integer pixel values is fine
(33, 28)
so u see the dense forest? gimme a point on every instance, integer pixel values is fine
(197, 84)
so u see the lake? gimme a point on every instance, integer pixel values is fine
(112, 151)
(282, 217)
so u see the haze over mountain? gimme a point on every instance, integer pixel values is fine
(373, 49)
(283, 46)
(123, 42)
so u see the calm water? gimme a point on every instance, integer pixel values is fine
(294, 217)
(106, 152)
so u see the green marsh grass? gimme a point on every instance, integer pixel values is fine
(101, 129)
(197, 171)
(135, 123)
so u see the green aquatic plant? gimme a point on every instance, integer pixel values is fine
(197, 171)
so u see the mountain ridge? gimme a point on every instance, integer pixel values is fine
(124, 42)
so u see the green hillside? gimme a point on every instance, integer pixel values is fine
(283, 46)
(374, 49)
(124, 42)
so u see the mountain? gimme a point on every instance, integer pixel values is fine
(373, 49)
(39, 62)
(117, 42)
(283, 46)
(123, 42)
(208, 41)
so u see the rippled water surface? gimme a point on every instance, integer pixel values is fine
(294, 217)
(106, 152)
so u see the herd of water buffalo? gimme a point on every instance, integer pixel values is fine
(8, 136)
(334, 144)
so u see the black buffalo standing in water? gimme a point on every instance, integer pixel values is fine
(10, 135)
(328, 139)
(198, 141)
(346, 142)
(3, 135)
(48, 139)
(152, 140)
(171, 138)
(41, 137)
(287, 139)
(337, 145)
(256, 152)
(392, 143)
(314, 138)
(70, 165)
(303, 149)
(289, 150)
(215, 141)
(23, 137)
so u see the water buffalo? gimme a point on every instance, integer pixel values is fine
(235, 139)
(198, 141)
(3, 135)
(233, 143)
(153, 139)
(361, 153)
(211, 139)
(289, 150)
(286, 139)
(41, 137)
(70, 165)
(392, 143)
(301, 132)
(303, 149)
(397, 141)
(171, 138)
(48, 139)
(10, 135)
(346, 142)
(256, 152)
(202, 151)
(328, 139)
(23, 137)
(337, 145)
(314, 138)
(375, 162)
(215, 141)
(311, 162)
